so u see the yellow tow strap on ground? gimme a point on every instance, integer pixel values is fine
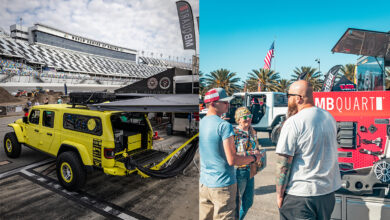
(157, 167)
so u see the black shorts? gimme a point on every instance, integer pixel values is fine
(307, 207)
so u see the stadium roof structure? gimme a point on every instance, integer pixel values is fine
(37, 26)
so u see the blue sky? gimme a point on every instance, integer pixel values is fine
(236, 35)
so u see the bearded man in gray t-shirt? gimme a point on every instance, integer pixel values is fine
(307, 168)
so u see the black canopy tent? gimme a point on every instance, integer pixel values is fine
(152, 103)
(161, 83)
(151, 84)
(135, 102)
(364, 42)
(344, 84)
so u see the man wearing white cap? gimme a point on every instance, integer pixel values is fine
(217, 187)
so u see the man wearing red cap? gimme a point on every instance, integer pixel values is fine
(217, 187)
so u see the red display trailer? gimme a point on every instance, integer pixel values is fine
(363, 139)
(363, 130)
(362, 116)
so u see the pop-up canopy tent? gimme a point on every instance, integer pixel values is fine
(364, 42)
(367, 44)
(157, 103)
(344, 84)
(151, 103)
(161, 83)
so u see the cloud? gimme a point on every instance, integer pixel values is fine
(151, 26)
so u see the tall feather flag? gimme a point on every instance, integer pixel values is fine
(268, 57)
(186, 21)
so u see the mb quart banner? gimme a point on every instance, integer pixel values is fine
(373, 103)
(329, 78)
(186, 24)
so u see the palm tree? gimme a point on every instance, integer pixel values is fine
(349, 71)
(311, 75)
(283, 85)
(268, 80)
(222, 78)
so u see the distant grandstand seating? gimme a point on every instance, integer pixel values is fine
(153, 61)
(26, 74)
(75, 62)
(9, 67)
(171, 63)
(21, 62)
(164, 63)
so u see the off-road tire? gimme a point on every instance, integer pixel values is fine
(12, 146)
(71, 172)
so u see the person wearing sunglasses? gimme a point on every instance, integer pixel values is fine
(218, 182)
(307, 167)
(245, 139)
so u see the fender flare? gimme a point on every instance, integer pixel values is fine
(79, 148)
(18, 132)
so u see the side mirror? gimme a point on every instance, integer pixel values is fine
(25, 120)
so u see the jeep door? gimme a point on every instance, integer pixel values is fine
(33, 128)
(47, 130)
(280, 105)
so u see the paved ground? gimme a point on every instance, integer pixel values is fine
(33, 191)
(264, 205)
(29, 190)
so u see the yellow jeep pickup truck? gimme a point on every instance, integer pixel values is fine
(82, 139)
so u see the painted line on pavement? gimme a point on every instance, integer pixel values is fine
(102, 207)
(20, 169)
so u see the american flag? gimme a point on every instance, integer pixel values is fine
(268, 57)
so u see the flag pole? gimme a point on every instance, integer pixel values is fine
(274, 55)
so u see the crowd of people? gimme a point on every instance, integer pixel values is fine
(307, 172)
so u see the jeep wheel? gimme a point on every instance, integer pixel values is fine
(70, 171)
(11, 145)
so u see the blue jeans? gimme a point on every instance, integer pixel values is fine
(245, 193)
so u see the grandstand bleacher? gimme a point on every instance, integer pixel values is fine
(26, 62)
(164, 63)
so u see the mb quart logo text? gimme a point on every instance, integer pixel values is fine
(350, 103)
